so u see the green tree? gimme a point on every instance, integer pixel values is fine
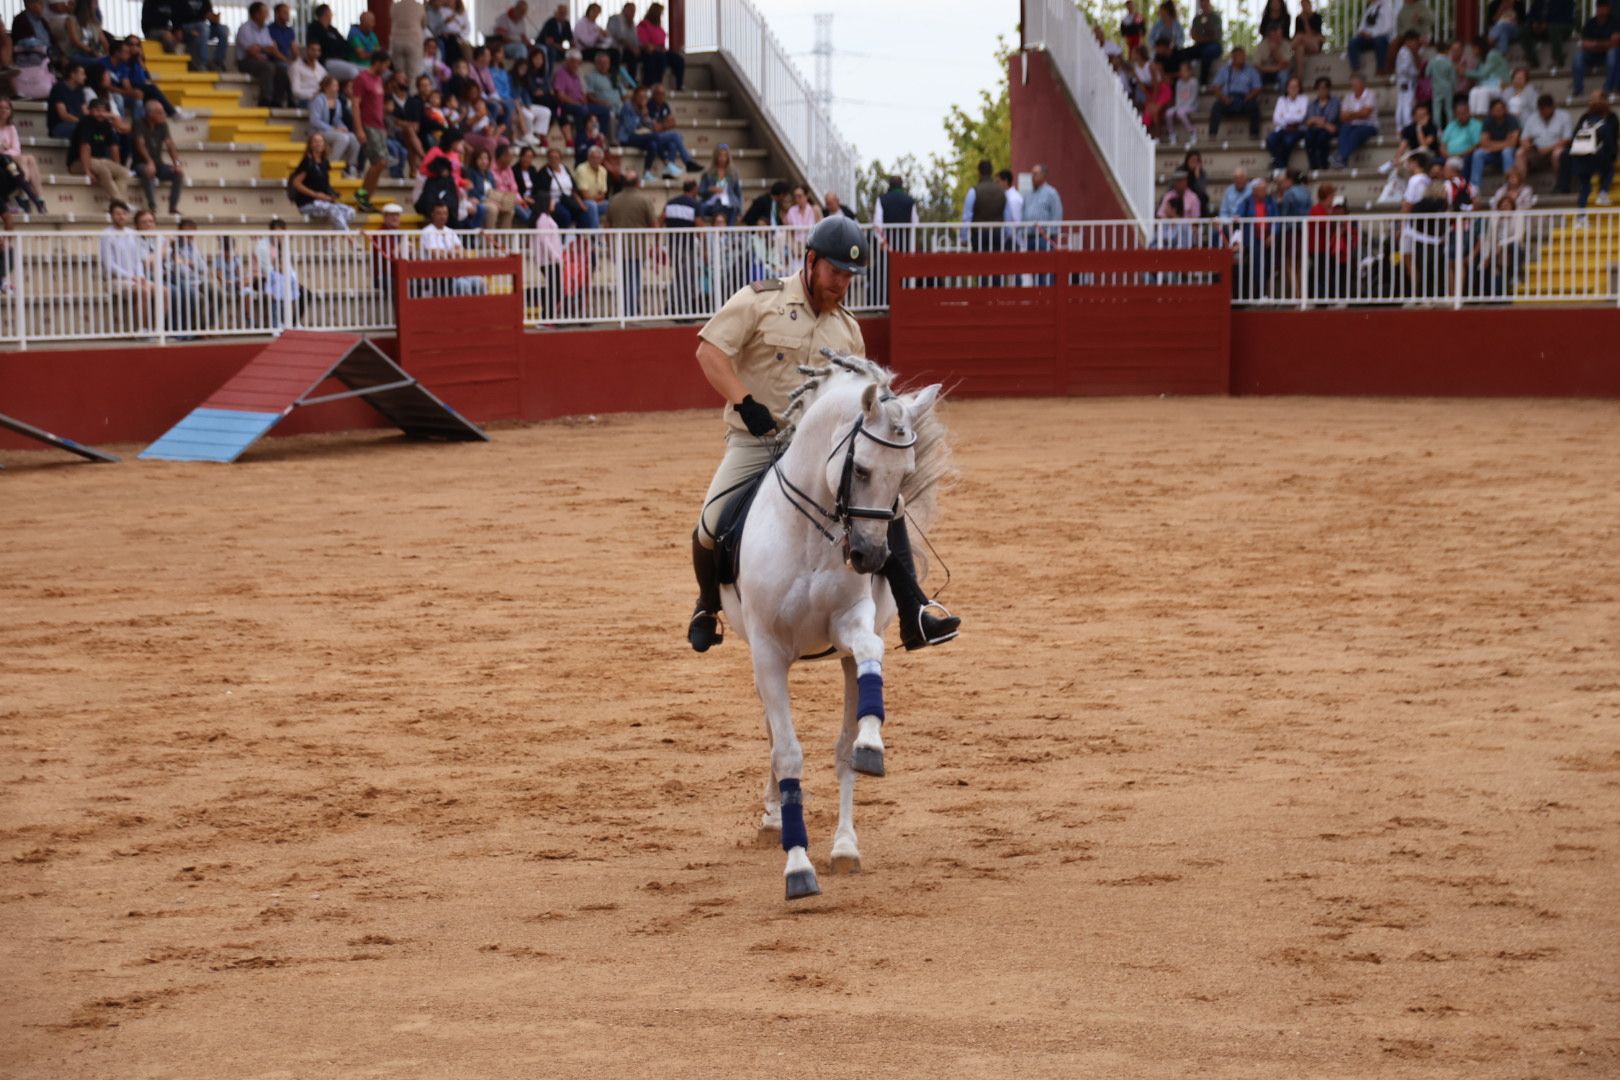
(930, 183)
(985, 132)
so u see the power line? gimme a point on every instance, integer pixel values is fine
(824, 60)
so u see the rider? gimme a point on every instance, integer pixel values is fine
(750, 352)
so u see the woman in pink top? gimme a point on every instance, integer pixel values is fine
(11, 146)
(656, 55)
(801, 216)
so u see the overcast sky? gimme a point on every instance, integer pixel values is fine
(898, 64)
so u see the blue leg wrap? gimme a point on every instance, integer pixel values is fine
(793, 831)
(871, 695)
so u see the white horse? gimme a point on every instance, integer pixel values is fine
(859, 456)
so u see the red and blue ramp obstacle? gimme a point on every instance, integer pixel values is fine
(285, 376)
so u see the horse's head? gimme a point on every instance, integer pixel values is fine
(869, 458)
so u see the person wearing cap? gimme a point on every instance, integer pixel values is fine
(383, 245)
(1332, 246)
(750, 352)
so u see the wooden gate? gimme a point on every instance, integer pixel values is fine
(1060, 323)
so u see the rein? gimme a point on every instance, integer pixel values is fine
(843, 512)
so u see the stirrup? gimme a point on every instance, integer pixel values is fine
(944, 628)
(703, 632)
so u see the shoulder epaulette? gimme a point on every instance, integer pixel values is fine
(769, 284)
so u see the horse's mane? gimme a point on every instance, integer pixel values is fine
(935, 467)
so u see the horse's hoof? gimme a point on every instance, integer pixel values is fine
(802, 883)
(869, 760)
(846, 863)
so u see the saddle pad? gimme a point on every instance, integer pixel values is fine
(728, 537)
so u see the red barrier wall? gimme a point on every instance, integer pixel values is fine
(1047, 130)
(1491, 352)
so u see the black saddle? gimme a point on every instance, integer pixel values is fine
(729, 533)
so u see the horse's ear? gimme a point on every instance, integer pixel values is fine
(923, 400)
(869, 398)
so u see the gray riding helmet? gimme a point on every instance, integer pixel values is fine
(841, 242)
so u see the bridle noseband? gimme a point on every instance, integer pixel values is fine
(843, 513)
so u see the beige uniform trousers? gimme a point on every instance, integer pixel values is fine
(746, 457)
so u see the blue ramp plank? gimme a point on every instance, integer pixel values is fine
(211, 435)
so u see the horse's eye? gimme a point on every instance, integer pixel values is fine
(862, 473)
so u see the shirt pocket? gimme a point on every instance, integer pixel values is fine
(787, 341)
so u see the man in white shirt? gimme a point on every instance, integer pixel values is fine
(1376, 30)
(1546, 137)
(439, 241)
(512, 29)
(304, 75)
(1358, 119)
(123, 258)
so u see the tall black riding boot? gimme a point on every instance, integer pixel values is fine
(918, 625)
(704, 629)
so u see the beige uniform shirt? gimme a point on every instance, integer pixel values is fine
(768, 329)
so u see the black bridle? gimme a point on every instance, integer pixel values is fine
(843, 513)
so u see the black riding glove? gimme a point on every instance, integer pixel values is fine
(758, 418)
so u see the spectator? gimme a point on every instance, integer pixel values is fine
(1232, 198)
(1461, 137)
(1521, 95)
(480, 195)
(483, 132)
(1181, 197)
(526, 186)
(1550, 21)
(1546, 138)
(720, 187)
(1487, 76)
(310, 187)
(131, 78)
(532, 104)
(31, 51)
(1274, 59)
(559, 199)
(1599, 46)
(1166, 37)
(1274, 16)
(1415, 17)
(65, 106)
(1333, 247)
(1429, 252)
(621, 30)
(407, 26)
(1015, 201)
(439, 241)
(771, 207)
(257, 56)
(440, 187)
(636, 129)
(1460, 192)
(1592, 149)
(418, 123)
(548, 252)
(1293, 197)
(801, 216)
(192, 295)
(305, 75)
(157, 158)
(1197, 181)
(335, 52)
(681, 217)
(656, 55)
(1321, 124)
(433, 65)
(602, 95)
(1408, 69)
(1307, 31)
(371, 124)
(28, 180)
(1504, 29)
(1287, 124)
(986, 202)
(330, 116)
(556, 36)
(123, 260)
(1358, 120)
(569, 87)
(589, 137)
(663, 118)
(1443, 72)
(1417, 186)
(591, 180)
(1184, 105)
(93, 152)
(590, 38)
(834, 205)
(512, 30)
(87, 42)
(1206, 36)
(1499, 257)
(1375, 32)
(632, 208)
(503, 195)
(362, 38)
(1172, 231)
(1132, 27)
(1498, 142)
(1258, 240)
(382, 245)
(896, 207)
(206, 39)
(1156, 99)
(1237, 92)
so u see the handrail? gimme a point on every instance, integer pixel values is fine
(816, 148)
(1058, 28)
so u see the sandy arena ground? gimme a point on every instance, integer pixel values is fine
(1282, 742)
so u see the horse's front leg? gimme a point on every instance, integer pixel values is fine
(854, 633)
(846, 856)
(787, 762)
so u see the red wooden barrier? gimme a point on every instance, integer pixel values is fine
(1065, 322)
(464, 346)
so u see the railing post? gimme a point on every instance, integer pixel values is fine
(1304, 264)
(20, 290)
(617, 244)
(160, 309)
(1458, 269)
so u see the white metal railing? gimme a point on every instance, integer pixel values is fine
(1115, 125)
(735, 29)
(62, 286)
